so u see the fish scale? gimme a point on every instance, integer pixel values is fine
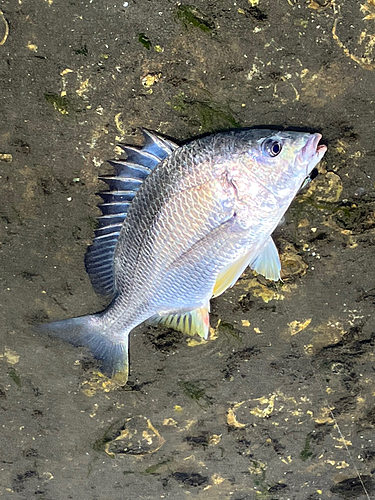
(179, 226)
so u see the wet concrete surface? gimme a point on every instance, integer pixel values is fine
(279, 403)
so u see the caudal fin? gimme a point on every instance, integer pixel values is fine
(87, 331)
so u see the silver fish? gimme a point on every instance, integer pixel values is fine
(179, 226)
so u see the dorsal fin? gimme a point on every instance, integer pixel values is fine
(123, 186)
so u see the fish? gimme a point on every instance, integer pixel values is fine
(179, 225)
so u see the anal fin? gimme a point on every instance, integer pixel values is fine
(191, 323)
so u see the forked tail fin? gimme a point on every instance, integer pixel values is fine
(87, 331)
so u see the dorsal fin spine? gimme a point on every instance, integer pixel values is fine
(129, 175)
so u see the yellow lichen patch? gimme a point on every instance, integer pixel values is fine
(32, 46)
(171, 422)
(66, 71)
(319, 6)
(137, 436)
(251, 410)
(325, 189)
(10, 356)
(324, 416)
(95, 409)
(217, 479)
(5, 31)
(232, 419)
(213, 332)
(189, 424)
(344, 442)
(191, 342)
(150, 79)
(7, 157)
(245, 322)
(83, 87)
(326, 334)
(265, 408)
(342, 147)
(120, 125)
(177, 408)
(257, 468)
(292, 263)
(297, 326)
(260, 290)
(309, 349)
(254, 3)
(214, 439)
(360, 44)
(342, 464)
(98, 383)
(369, 9)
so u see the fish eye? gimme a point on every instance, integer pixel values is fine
(272, 147)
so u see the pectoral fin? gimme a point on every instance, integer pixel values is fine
(191, 323)
(267, 262)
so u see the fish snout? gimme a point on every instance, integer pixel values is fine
(312, 152)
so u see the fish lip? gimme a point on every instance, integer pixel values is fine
(312, 151)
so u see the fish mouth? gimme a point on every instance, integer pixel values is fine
(312, 152)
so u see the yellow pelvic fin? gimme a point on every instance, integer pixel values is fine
(191, 323)
(230, 274)
(266, 262)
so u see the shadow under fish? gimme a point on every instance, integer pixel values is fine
(179, 226)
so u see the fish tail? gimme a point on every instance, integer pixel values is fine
(88, 331)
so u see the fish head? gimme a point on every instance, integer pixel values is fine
(281, 161)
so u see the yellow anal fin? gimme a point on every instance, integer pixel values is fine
(191, 323)
(230, 274)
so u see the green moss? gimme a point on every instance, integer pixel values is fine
(100, 444)
(191, 16)
(154, 468)
(13, 374)
(82, 51)
(301, 22)
(356, 218)
(229, 330)
(192, 390)
(258, 469)
(195, 391)
(60, 103)
(144, 40)
(306, 453)
(207, 115)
